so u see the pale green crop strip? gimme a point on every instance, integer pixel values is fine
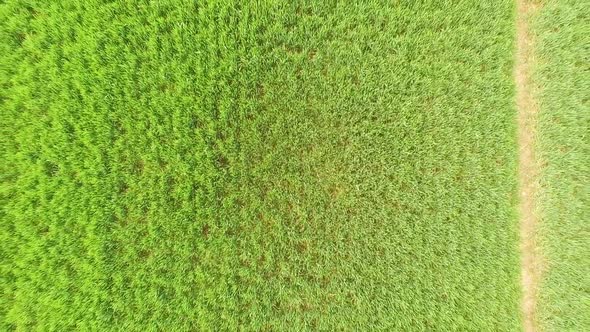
(562, 77)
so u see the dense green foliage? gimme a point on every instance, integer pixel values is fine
(266, 165)
(563, 76)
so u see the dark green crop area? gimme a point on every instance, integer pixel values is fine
(264, 165)
(563, 77)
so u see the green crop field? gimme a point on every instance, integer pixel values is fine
(272, 166)
(563, 75)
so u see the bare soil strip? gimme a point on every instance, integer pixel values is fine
(528, 166)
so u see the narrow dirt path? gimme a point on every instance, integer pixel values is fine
(528, 167)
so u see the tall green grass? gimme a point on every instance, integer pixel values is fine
(563, 77)
(267, 165)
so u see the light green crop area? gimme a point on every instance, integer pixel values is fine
(563, 78)
(258, 165)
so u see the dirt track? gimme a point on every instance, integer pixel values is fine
(528, 166)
